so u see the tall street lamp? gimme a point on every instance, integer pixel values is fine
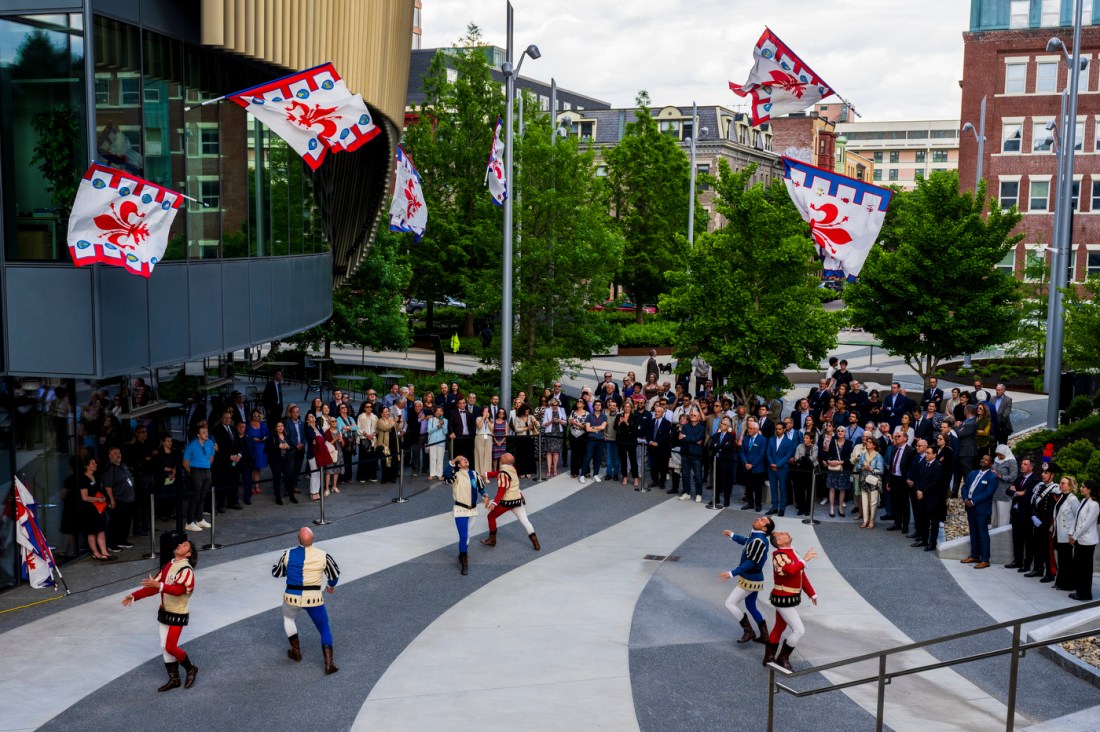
(979, 135)
(1064, 215)
(510, 75)
(691, 199)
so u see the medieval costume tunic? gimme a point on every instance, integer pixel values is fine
(305, 568)
(750, 580)
(789, 574)
(508, 498)
(466, 486)
(177, 582)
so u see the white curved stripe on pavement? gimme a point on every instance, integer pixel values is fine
(844, 625)
(120, 639)
(545, 646)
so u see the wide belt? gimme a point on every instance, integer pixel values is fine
(463, 505)
(303, 588)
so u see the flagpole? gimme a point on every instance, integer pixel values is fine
(203, 104)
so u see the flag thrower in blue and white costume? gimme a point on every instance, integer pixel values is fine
(305, 568)
(466, 485)
(750, 578)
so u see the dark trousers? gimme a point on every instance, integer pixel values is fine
(628, 460)
(1082, 570)
(276, 464)
(349, 452)
(293, 470)
(979, 534)
(122, 516)
(899, 500)
(1040, 549)
(723, 483)
(754, 488)
(577, 448)
(200, 489)
(920, 516)
(144, 488)
(1064, 577)
(1022, 531)
(931, 509)
(801, 480)
(465, 446)
(963, 466)
(659, 457)
(224, 487)
(368, 463)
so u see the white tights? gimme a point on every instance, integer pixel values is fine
(736, 601)
(794, 631)
(521, 515)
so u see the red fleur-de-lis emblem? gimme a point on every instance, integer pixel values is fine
(828, 232)
(413, 202)
(788, 83)
(122, 223)
(305, 116)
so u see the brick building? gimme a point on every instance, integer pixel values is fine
(1006, 62)
(799, 132)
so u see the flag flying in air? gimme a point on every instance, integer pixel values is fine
(313, 111)
(407, 210)
(120, 219)
(780, 82)
(498, 184)
(845, 214)
(35, 556)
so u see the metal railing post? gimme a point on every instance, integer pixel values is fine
(538, 452)
(152, 525)
(771, 697)
(881, 692)
(213, 523)
(322, 521)
(1014, 666)
(813, 499)
(400, 472)
(714, 483)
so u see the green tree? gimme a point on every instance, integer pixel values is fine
(939, 294)
(747, 302)
(367, 310)
(567, 249)
(449, 142)
(1031, 334)
(649, 180)
(1082, 328)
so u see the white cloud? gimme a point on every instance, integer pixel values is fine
(891, 61)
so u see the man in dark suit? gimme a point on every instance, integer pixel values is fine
(801, 411)
(195, 414)
(225, 473)
(238, 408)
(556, 393)
(764, 423)
(1020, 516)
(463, 426)
(924, 478)
(977, 493)
(779, 453)
(968, 444)
(933, 394)
(754, 463)
(494, 407)
(273, 400)
(1002, 405)
(656, 434)
(295, 437)
(898, 462)
(722, 447)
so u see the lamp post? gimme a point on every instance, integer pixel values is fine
(1064, 215)
(979, 135)
(691, 195)
(510, 75)
(1057, 140)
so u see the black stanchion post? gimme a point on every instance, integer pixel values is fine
(538, 453)
(400, 473)
(813, 499)
(714, 484)
(645, 446)
(213, 522)
(322, 521)
(152, 527)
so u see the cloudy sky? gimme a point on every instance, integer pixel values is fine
(892, 59)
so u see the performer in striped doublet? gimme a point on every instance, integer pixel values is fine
(750, 578)
(305, 567)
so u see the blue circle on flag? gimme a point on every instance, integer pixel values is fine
(131, 258)
(302, 94)
(786, 66)
(766, 89)
(768, 107)
(110, 246)
(344, 133)
(327, 84)
(99, 183)
(313, 143)
(766, 53)
(276, 99)
(364, 119)
(152, 261)
(123, 191)
(257, 100)
(165, 205)
(146, 198)
(803, 77)
(83, 244)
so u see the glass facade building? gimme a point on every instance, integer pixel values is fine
(253, 259)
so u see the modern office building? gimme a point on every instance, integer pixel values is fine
(112, 80)
(1005, 62)
(723, 134)
(903, 151)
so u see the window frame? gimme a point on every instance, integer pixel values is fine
(1001, 183)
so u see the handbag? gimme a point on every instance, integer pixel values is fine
(872, 481)
(835, 468)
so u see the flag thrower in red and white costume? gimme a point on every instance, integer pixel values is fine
(508, 498)
(789, 575)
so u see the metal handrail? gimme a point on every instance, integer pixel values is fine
(884, 677)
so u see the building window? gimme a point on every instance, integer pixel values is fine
(918, 174)
(702, 169)
(917, 134)
(1052, 13)
(1078, 136)
(210, 194)
(1040, 196)
(601, 171)
(131, 95)
(1042, 139)
(1015, 76)
(1046, 77)
(102, 92)
(1011, 134)
(1007, 265)
(669, 127)
(208, 141)
(1092, 264)
(944, 134)
(452, 76)
(1010, 193)
(939, 156)
(877, 175)
(893, 174)
(894, 156)
(878, 156)
(1095, 195)
(1019, 12)
(1076, 202)
(920, 156)
(1034, 261)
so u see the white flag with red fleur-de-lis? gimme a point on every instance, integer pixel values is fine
(780, 82)
(845, 214)
(408, 212)
(120, 219)
(313, 111)
(498, 183)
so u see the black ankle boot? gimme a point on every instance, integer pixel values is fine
(173, 676)
(192, 672)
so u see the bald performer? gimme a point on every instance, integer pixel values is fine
(508, 498)
(305, 567)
